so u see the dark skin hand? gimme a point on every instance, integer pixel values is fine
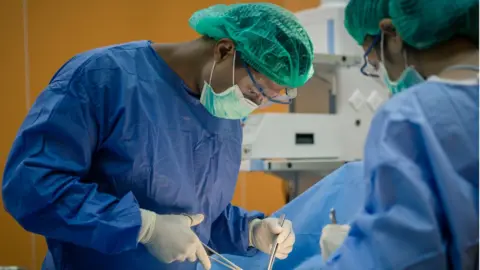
(193, 62)
(428, 62)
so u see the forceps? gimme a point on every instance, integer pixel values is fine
(227, 263)
(273, 251)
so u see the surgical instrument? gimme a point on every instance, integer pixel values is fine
(333, 216)
(273, 251)
(227, 263)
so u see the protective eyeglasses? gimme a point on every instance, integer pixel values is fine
(370, 69)
(284, 96)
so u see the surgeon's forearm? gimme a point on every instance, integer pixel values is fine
(230, 231)
(53, 151)
(71, 211)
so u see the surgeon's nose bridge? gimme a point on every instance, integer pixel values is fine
(264, 83)
(259, 81)
(251, 91)
(253, 94)
(275, 92)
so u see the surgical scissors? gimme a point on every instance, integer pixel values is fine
(227, 263)
(273, 251)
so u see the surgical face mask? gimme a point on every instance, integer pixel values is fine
(408, 78)
(230, 104)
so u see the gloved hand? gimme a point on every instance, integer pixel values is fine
(263, 233)
(169, 238)
(332, 238)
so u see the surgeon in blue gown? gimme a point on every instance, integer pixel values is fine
(129, 158)
(421, 155)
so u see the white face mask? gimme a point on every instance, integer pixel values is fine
(230, 104)
(408, 78)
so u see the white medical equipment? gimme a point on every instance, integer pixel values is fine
(329, 120)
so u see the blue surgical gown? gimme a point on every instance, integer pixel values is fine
(344, 190)
(117, 130)
(421, 167)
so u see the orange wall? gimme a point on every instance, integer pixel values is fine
(14, 242)
(58, 29)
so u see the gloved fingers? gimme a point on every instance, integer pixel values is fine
(180, 258)
(273, 226)
(285, 249)
(196, 219)
(202, 256)
(169, 260)
(281, 256)
(335, 228)
(289, 241)
(329, 227)
(286, 235)
(191, 254)
(192, 257)
(334, 234)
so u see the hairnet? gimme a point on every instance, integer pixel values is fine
(420, 23)
(269, 38)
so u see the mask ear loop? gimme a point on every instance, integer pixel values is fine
(382, 42)
(211, 72)
(382, 55)
(251, 103)
(233, 70)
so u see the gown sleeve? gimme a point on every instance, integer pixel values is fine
(400, 225)
(42, 185)
(230, 231)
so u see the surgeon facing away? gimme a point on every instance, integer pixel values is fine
(421, 155)
(129, 158)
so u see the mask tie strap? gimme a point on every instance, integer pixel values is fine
(233, 70)
(382, 54)
(211, 72)
(382, 42)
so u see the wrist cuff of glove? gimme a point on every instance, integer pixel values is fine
(251, 226)
(148, 224)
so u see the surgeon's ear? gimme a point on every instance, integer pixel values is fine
(386, 25)
(224, 49)
(392, 39)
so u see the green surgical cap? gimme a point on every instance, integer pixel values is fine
(420, 23)
(269, 38)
